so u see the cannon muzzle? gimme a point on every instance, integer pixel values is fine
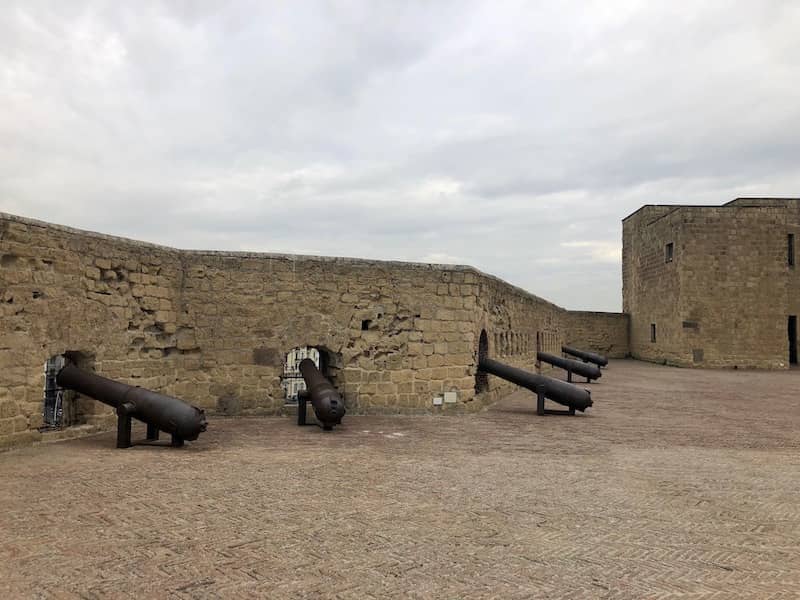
(165, 413)
(591, 357)
(571, 366)
(558, 391)
(328, 404)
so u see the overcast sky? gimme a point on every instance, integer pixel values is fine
(511, 136)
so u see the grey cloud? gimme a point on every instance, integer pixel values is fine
(512, 136)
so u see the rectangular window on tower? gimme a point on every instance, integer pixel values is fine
(652, 332)
(790, 249)
(669, 250)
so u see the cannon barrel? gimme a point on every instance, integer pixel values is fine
(597, 359)
(583, 369)
(558, 391)
(328, 404)
(168, 414)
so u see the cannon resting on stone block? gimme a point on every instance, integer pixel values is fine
(571, 396)
(583, 369)
(328, 404)
(599, 360)
(159, 412)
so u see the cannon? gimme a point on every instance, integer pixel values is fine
(600, 361)
(328, 404)
(571, 396)
(583, 369)
(157, 411)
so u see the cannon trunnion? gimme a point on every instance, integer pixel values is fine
(165, 413)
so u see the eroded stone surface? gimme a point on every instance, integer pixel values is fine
(724, 296)
(213, 328)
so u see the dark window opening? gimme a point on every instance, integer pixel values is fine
(790, 249)
(792, 339)
(365, 324)
(652, 332)
(669, 252)
(482, 378)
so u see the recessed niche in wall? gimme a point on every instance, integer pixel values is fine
(60, 406)
(328, 362)
(481, 378)
(292, 381)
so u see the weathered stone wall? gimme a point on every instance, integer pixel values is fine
(602, 332)
(395, 333)
(214, 328)
(725, 298)
(650, 285)
(115, 303)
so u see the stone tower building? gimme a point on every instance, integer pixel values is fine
(713, 286)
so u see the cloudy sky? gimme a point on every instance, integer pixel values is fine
(512, 136)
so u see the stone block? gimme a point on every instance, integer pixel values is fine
(8, 409)
(24, 438)
(185, 340)
(436, 360)
(402, 376)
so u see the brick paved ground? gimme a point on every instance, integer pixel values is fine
(678, 484)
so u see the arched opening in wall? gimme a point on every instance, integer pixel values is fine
(328, 362)
(61, 407)
(481, 378)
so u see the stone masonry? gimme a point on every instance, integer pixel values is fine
(214, 328)
(725, 295)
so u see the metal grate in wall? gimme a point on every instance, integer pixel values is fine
(292, 381)
(53, 414)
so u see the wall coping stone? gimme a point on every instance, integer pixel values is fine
(737, 203)
(343, 260)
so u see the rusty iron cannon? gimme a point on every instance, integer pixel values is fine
(599, 360)
(159, 412)
(571, 396)
(328, 404)
(588, 370)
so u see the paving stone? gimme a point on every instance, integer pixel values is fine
(676, 484)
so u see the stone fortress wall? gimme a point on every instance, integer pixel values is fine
(724, 297)
(214, 328)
